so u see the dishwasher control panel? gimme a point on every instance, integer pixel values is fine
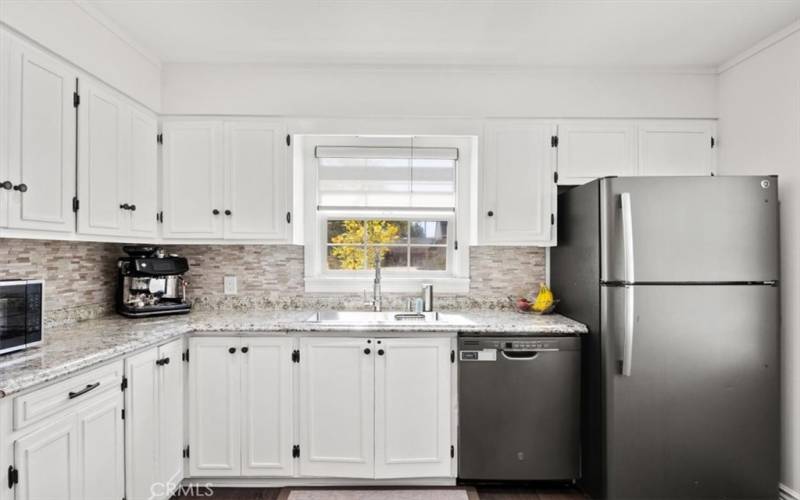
(486, 349)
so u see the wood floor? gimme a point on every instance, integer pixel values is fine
(483, 493)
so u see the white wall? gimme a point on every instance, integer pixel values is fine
(759, 130)
(79, 34)
(416, 91)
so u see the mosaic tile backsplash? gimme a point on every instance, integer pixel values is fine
(80, 277)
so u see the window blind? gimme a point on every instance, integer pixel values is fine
(386, 177)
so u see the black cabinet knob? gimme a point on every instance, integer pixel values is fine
(21, 188)
(125, 206)
(7, 185)
(132, 208)
(245, 349)
(367, 351)
(490, 213)
(166, 361)
(232, 350)
(215, 212)
(380, 352)
(228, 212)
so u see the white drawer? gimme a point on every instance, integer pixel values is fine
(56, 398)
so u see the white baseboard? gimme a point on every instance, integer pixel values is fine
(786, 493)
(245, 482)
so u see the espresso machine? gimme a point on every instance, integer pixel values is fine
(150, 283)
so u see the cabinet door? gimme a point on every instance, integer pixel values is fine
(41, 140)
(104, 127)
(143, 173)
(5, 121)
(141, 425)
(336, 407)
(214, 414)
(267, 407)
(255, 179)
(192, 180)
(412, 408)
(677, 147)
(590, 150)
(170, 415)
(102, 448)
(518, 183)
(47, 461)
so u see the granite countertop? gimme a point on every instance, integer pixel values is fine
(70, 348)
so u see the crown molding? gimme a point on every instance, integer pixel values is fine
(118, 31)
(759, 47)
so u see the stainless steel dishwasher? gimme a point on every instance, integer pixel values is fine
(519, 408)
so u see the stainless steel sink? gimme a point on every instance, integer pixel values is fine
(372, 318)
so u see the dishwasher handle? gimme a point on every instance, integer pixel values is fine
(524, 355)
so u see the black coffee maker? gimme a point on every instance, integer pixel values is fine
(150, 283)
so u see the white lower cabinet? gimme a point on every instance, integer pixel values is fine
(77, 453)
(375, 408)
(240, 406)
(154, 424)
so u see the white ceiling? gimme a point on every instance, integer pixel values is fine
(539, 33)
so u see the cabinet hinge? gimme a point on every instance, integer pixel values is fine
(13, 476)
(160, 217)
(123, 413)
(555, 177)
(452, 356)
(288, 139)
(75, 204)
(185, 356)
(296, 451)
(288, 217)
(553, 141)
(452, 451)
(713, 142)
(455, 245)
(160, 138)
(295, 356)
(124, 384)
(76, 99)
(186, 452)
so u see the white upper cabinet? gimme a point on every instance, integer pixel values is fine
(677, 147)
(117, 165)
(102, 162)
(225, 180)
(412, 408)
(337, 407)
(192, 179)
(592, 149)
(255, 180)
(518, 186)
(37, 168)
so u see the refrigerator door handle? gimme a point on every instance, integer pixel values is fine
(627, 342)
(627, 235)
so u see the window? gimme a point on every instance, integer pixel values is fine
(396, 199)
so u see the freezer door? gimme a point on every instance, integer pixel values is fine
(690, 229)
(698, 416)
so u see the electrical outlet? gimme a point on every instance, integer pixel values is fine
(230, 285)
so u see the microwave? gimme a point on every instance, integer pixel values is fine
(21, 314)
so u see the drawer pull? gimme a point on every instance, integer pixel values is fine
(73, 395)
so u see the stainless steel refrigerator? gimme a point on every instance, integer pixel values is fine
(677, 279)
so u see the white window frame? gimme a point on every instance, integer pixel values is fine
(454, 280)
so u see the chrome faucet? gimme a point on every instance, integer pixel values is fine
(377, 300)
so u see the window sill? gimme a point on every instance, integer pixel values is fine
(335, 284)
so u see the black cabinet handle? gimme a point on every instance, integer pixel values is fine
(288, 217)
(21, 187)
(232, 350)
(215, 212)
(162, 361)
(245, 349)
(228, 212)
(367, 351)
(89, 387)
(6, 185)
(490, 213)
(380, 352)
